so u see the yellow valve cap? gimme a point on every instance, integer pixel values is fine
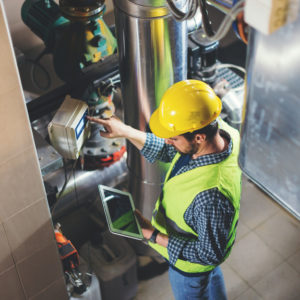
(185, 107)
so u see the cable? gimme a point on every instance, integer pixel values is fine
(193, 5)
(242, 27)
(227, 21)
(221, 66)
(113, 81)
(205, 19)
(179, 15)
(67, 179)
(35, 63)
(75, 186)
(223, 3)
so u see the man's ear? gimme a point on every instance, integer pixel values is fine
(200, 137)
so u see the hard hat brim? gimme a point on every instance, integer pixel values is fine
(157, 128)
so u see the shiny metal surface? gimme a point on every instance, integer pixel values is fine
(195, 22)
(221, 7)
(152, 56)
(49, 159)
(82, 187)
(149, 3)
(143, 9)
(81, 9)
(270, 147)
(233, 106)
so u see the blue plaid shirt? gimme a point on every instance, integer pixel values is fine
(209, 215)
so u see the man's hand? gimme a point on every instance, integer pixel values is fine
(114, 127)
(147, 228)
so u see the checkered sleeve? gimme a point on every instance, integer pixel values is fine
(155, 148)
(210, 216)
(175, 247)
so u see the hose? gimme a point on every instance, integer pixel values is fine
(178, 14)
(193, 5)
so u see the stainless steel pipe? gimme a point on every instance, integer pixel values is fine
(152, 49)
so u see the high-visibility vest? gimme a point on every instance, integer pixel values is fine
(179, 192)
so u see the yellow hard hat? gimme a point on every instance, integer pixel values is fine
(186, 106)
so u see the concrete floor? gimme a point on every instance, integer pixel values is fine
(265, 261)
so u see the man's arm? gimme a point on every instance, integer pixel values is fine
(154, 149)
(114, 128)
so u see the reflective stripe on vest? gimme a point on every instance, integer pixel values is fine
(179, 192)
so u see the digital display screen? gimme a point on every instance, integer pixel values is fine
(120, 211)
(81, 125)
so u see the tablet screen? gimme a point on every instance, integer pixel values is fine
(118, 207)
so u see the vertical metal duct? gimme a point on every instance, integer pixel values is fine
(152, 56)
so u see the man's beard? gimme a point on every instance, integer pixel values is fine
(193, 149)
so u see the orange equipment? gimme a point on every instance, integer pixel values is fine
(68, 253)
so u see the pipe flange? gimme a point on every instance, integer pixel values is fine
(81, 9)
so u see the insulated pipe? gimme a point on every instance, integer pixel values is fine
(152, 50)
(82, 185)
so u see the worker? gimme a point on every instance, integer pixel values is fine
(194, 220)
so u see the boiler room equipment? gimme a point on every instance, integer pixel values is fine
(152, 48)
(69, 128)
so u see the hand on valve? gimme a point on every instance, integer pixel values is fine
(114, 127)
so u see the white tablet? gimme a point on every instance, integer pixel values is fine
(119, 212)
